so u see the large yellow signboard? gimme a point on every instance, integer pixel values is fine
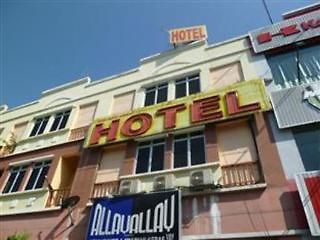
(233, 101)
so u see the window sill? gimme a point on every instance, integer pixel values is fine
(48, 134)
(167, 171)
(33, 211)
(40, 190)
(241, 188)
(188, 192)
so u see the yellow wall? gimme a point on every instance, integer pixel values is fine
(56, 180)
(248, 92)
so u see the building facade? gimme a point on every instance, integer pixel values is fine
(290, 60)
(196, 118)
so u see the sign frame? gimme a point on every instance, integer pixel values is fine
(286, 32)
(309, 210)
(148, 206)
(200, 30)
(240, 99)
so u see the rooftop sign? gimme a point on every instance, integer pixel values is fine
(233, 101)
(286, 32)
(184, 35)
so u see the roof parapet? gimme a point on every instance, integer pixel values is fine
(3, 108)
(301, 11)
(112, 77)
(81, 81)
(171, 51)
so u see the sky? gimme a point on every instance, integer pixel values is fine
(47, 43)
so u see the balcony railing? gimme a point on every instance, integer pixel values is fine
(240, 174)
(105, 189)
(56, 196)
(78, 133)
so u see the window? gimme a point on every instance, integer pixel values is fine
(156, 94)
(85, 115)
(150, 156)
(15, 179)
(60, 120)
(111, 163)
(187, 86)
(284, 67)
(39, 171)
(308, 142)
(189, 149)
(226, 75)
(39, 126)
(19, 130)
(236, 143)
(122, 103)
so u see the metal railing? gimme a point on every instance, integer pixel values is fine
(56, 196)
(78, 133)
(240, 174)
(105, 189)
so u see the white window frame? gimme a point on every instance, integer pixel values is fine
(20, 169)
(155, 89)
(188, 138)
(40, 126)
(60, 121)
(150, 147)
(187, 81)
(42, 166)
(50, 122)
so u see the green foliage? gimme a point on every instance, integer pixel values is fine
(22, 236)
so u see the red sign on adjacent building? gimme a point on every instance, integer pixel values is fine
(287, 32)
(309, 189)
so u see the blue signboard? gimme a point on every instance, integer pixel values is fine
(152, 216)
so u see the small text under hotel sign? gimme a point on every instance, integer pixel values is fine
(190, 34)
(236, 100)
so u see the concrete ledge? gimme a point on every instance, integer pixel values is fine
(51, 209)
(248, 235)
(241, 188)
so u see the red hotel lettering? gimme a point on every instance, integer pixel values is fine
(99, 131)
(205, 109)
(201, 110)
(174, 36)
(233, 107)
(187, 35)
(198, 31)
(170, 115)
(145, 120)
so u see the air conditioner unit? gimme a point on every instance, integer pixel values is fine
(129, 186)
(163, 182)
(201, 177)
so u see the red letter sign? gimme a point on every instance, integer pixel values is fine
(99, 131)
(170, 115)
(145, 120)
(205, 109)
(233, 104)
